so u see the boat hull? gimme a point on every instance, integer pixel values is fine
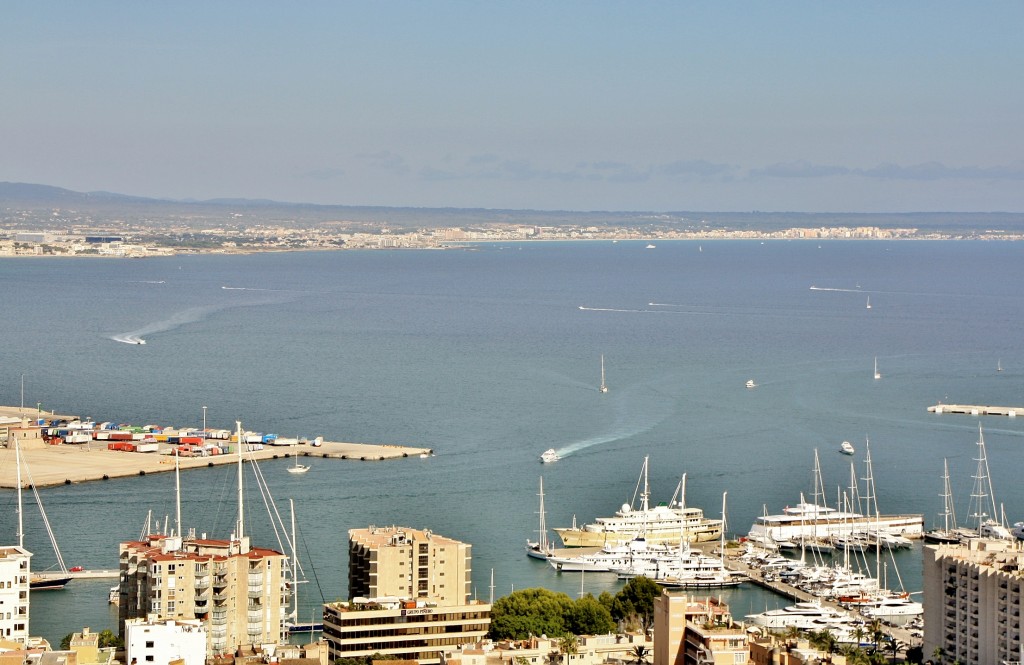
(48, 583)
(586, 538)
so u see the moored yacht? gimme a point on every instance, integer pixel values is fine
(805, 616)
(658, 524)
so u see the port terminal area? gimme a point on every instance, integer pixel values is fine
(98, 460)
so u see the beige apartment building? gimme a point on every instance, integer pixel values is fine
(409, 597)
(690, 630)
(973, 599)
(408, 563)
(237, 591)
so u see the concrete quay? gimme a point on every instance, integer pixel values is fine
(978, 410)
(68, 464)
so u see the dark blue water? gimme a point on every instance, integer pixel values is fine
(485, 356)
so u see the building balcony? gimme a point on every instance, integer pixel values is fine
(255, 616)
(202, 582)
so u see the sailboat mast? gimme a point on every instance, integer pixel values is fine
(17, 458)
(542, 526)
(295, 567)
(177, 490)
(241, 496)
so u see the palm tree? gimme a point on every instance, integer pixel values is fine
(639, 655)
(877, 633)
(939, 653)
(894, 645)
(569, 645)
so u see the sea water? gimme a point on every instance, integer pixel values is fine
(490, 355)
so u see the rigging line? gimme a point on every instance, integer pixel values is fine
(46, 522)
(261, 483)
(302, 536)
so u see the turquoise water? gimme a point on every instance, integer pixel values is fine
(486, 356)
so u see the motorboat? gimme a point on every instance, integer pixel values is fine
(846, 448)
(805, 616)
(751, 384)
(898, 610)
(549, 456)
(615, 557)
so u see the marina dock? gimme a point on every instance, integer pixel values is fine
(978, 410)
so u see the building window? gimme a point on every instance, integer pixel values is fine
(149, 645)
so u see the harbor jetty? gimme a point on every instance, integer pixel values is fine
(978, 410)
(66, 464)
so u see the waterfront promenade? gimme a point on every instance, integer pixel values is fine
(64, 464)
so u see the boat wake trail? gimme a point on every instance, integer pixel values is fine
(637, 410)
(184, 317)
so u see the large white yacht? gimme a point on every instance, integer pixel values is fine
(805, 616)
(660, 524)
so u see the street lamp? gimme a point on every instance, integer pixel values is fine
(204, 418)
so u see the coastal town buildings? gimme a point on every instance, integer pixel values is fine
(14, 593)
(409, 597)
(590, 650)
(973, 600)
(236, 591)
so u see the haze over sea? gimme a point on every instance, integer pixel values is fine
(486, 356)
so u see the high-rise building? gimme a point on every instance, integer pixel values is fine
(236, 591)
(409, 597)
(14, 595)
(408, 563)
(973, 600)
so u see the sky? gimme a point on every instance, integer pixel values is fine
(865, 106)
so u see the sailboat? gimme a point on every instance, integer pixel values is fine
(878, 374)
(39, 581)
(542, 548)
(298, 468)
(947, 534)
(987, 524)
(999, 365)
(604, 386)
(869, 302)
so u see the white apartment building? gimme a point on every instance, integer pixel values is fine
(973, 599)
(14, 595)
(152, 641)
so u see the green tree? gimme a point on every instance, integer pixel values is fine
(939, 654)
(825, 641)
(637, 600)
(521, 614)
(915, 654)
(639, 655)
(65, 642)
(569, 645)
(589, 617)
(109, 639)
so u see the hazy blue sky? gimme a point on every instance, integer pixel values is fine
(717, 106)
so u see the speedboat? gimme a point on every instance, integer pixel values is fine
(846, 448)
(751, 384)
(549, 455)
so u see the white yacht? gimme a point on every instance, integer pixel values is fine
(805, 616)
(751, 384)
(614, 557)
(898, 610)
(658, 524)
(549, 456)
(846, 448)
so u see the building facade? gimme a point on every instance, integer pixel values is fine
(153, 642)
(409, 597)
(15, 574)
(690, 630)
(408, 563)
(973, 599)
(237, 592)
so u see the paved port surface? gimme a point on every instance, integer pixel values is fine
(59, 465)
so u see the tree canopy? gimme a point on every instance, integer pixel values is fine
(541, 612)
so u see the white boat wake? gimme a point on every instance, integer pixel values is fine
(128, 339)
(638, 409)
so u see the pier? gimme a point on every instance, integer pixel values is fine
(68, 464)
(978, 410)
